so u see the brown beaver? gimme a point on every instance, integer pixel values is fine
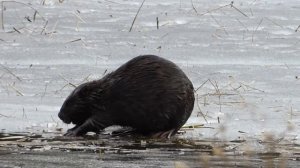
(149, 94)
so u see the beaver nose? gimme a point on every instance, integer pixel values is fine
(60, 115)
(64, 118)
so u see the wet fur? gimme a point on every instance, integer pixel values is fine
(148, 93)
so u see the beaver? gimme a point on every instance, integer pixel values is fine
(150, 94)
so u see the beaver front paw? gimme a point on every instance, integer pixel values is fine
(88, 126)
(73, 132)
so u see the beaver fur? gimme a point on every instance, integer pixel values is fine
(148, 93)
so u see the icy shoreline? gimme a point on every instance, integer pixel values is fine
(253, 59)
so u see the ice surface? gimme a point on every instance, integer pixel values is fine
(246, 68)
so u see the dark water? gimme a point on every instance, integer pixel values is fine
(31, 150)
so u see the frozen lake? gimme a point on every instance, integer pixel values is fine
(243, 59)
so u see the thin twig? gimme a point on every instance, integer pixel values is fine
(251, 11)
(218, 94)
(201, 85)
(253, 2)
(54, 120)
(230, 4)
(16, 30)
(61, 88)
(297, 29)
(157, 23)
(28, 19)
(45, 90)
(72, 41)
(291, 114)
(253, 88)
(237, 9)
(2, 12)
(218, 91)
(44, 28)
(274, 22)
(16, 90)
(24, 114)
(238, 92)
(69, 83)
(205, 101)
(10, 72)
(194, 7)
(72, 85)
(104, 72)
(5, 88)
(112, 2)
(200, 111)
(2, 16)
(216, 9)
(34, 15)
(1, 115)
(180, 3)
(164, 35)
(43, 2)
(86, 79)
(193, 126)
(215, 85)
(53, 29)
(260, 22)
(242, 24)
(221, 26)
(79, 17)
(136, 15)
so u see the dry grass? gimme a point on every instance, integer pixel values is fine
(136, 15)
(297, 29)
(224, 6)
(10, 72)
(35, 13)
(210, 95)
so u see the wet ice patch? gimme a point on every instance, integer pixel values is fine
(15, 44)
(181, 21)
(165, 23)
(51, 2)
(199, 44)
(110, 20)
(278, 18)
(282, 32)
(277, 46)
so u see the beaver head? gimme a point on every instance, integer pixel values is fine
(76, 108)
